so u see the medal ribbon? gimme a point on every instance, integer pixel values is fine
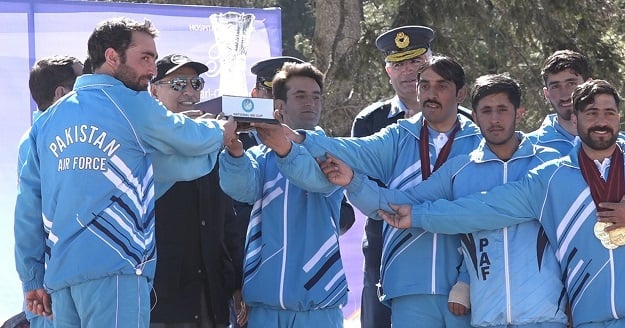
(424, 149)
(604, 191)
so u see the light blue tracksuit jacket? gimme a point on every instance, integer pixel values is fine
(292, 257)
(558, 196)
(85, 204)
(414, 261)
(513, 273)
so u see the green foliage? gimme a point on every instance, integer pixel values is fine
(515, 36)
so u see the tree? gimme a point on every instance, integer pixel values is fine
(336, 35)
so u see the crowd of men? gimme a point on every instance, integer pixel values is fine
(120, 163)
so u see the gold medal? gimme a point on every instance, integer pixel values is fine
(603, 236)
(617, 237)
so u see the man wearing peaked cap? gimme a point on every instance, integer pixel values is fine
(196, 230)
(173, 62)
(406, 49)
(265, 70)
(405, 42)
(177, 83)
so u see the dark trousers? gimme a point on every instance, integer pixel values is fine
(373, 314)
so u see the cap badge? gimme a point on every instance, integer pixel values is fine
(402, 40)
(179, 59)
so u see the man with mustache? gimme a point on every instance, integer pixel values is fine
(562, 72)
(406, 49)
(84, 216)
(572, 197)
(418, 268)
(510, 270)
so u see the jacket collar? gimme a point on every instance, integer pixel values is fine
(415, 123)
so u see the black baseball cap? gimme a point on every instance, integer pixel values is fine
(266, 69)
(405, 42)
(171, 63)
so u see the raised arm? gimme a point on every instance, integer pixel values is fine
(368, 196)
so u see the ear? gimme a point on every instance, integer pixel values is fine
(254, 92)
(153, 90)
(474, 115)
(388, 71)
(279, 108)
(546, 93)
(111, 57)
(461, 94)
(574, 119)
(519, 114)
(59, 92)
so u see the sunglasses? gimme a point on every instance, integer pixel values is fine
(179, 83)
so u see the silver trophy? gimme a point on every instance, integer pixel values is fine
(232, 32)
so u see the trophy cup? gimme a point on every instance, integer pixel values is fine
(232, 32)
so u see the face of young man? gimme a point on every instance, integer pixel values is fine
(138, 66)
(403, 76)
(302, 108)
(177, 101)
(558, 91)
(598, 126)
(438, 99)
(497, 118)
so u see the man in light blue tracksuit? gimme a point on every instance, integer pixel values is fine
(514, 276)
(50, 79)
(418, 268)
(568, 196)
(293, 274)
(85, 205)
(562, 72)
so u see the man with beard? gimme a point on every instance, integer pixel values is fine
(562, 72)
(510, 270)
(418, 269)
(85, 205)
(575, 200)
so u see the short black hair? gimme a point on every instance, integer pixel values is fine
(447, 68)
(47, 74)
(565, 59)
(585, 94)
(115, 33)
(486, 85)
(291, 69)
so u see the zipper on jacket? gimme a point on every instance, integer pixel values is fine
(612, 283)
(285, 242)
(434, 244)
(506, 258)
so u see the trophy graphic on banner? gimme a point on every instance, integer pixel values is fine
(232, 33)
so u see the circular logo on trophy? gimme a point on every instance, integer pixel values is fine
(247, 105)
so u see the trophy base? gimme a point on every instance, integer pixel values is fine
(245, 125)
(243, 109)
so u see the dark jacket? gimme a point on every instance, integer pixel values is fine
(196, 237)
